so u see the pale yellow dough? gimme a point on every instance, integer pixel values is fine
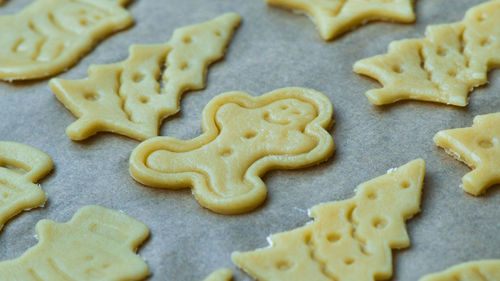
(484, 270)
(348, 240)
(96, 244)
(479, 147)
(334, 17)
(49, 36)
(244, 137)
(20, 167)
(443, 67)
(132, 97)
(222, 274)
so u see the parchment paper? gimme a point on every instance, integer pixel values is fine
(273, 48)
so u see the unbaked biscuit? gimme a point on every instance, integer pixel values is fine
(479, 147)
(244, 137)
(21, 166)
(96, 244)
(49, 36)
(348, 240)
(334, 17)
(484, 270)
(132, 97)
(443, 67)
(222, 274)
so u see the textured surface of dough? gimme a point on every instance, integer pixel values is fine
(479, 147)
(96, 244)
(49, 36)
(20, 167)
(348, 240)
(222, 274)
(334, 17)
(133, 97)
(484, 270)
(443, 67)
(244, 137)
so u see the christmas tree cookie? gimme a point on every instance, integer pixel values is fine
(244, 137)
(49, 36)
(443, 67)
(484, 270)
(97, 244)
(334, 17)
(348, 240)
(132, 97)
(21, 166)
(478, 146)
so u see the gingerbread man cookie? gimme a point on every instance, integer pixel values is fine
(50, 36)
(97, 244)
(244, 137)
(20, 167)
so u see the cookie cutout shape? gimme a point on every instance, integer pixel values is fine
(244, 137)
(443, 67)
(334, 17)
(133, 97)
(348, 240)
(50, 36)
(20, 167)
(484, 270)
(478, 147)
(96, 244)
(222, 274)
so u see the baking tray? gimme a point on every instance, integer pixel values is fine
(273, 48)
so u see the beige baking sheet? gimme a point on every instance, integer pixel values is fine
(273, 48)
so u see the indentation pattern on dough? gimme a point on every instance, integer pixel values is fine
(133, 97)
(49, 36)
(483, 270)
(443, 67)
(96, 244)
(244, 137)
(20, 167)
(348, 240)
(334, 17)
(479, 147)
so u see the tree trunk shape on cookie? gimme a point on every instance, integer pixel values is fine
(132, 97)
(479, 147)
(50, 36)
(21, 166)
(444, 67)
(334, 17)
(483, 270)
(244, 137)
(96, 244)
(348, 240)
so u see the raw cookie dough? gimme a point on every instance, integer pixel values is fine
(128, 98)
(244, 137)
(20, 167)
(334, 17)
(484, 270)
(443, 67)
(96, 244)
(477, 146)
(222, 274)
(49, 36)
(348, 240)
